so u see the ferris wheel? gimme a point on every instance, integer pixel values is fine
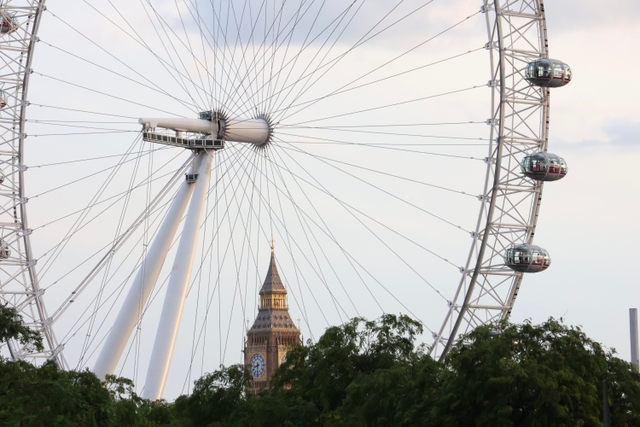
(395, 152)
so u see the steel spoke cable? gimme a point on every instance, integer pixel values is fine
(315, 266)
(352, 210)
(89, 159)
(118, 196)
(195, 343)
(265, 47)
(355, 260)
(232, 228)
(415, 181)
(116, 243)
(124, 160)
(274, 42)
(103, 122)
(204, 252)
(372, 275)
(215, 238)
(82, 111)
(383, 125)
(361, 41)
(191, 50)
(231, 244)
(300, 304)
(293, 61)
(222, 60)
(224, 64)
(282, 221)
(328, 51)
(306, 227)
(223, 67)
(394, 104)
(345, 87)
(273, 98)
(371, 145)
(404, 201)
(186, 76)
(105, 273)
(58, 248)
(238, 25)
(85, 127)
(152, 87)
(112, 55)
(79, 323)
(251, 68)
(136, 267)
(143, 43)
(257, 59)
(105, 94)
(412, 135)
(82, 133)
(264, 202)
(87, 223)
(288, 37)
(204, 55)
(331, 235)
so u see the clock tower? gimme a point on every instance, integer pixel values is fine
(273, 332)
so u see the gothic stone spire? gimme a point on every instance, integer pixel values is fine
(273, 332)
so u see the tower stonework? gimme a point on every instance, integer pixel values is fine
(273, 332)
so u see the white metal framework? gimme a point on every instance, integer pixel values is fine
(509, 203)
(19, 285)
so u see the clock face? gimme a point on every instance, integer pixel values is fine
(257, 365)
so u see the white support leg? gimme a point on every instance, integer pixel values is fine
(144, 282)
(178, 286)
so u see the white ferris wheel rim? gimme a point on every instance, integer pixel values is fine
(481, 276)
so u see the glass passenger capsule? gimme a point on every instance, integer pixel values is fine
(544, 167)
(527, 258)
(5, 252)
(548, 73)
(4, 99)
(9, 23)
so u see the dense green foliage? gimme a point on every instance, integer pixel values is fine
(363, 373)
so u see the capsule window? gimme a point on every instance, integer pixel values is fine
(567, 72)
(530, 71)
(558, 70)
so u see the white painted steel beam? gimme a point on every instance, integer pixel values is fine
(185, 125)
(178, 285)
(144, 282)
(253, 131)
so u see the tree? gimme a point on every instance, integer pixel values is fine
(623, 383)
(12, 328)
(526, 375)
(215, 396)
(361, 373)
(49, 396)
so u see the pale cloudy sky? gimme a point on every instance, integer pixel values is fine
(588, 220)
